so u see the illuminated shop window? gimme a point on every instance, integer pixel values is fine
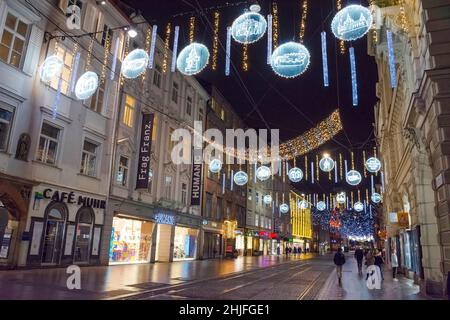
(128, 112)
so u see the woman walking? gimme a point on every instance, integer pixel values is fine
(394, 264)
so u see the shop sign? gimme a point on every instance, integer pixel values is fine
(196, 177)
(273, 235)
(263, 234)
(71, 198)
(403, 219)
(164, 218)
(143, 168)
(237, 232)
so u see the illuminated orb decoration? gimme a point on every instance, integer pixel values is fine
(351, 23)
(290, 60)
(321, 206)
(248, 27)
(240, 178)
(373, 165)
(326, 164)
(353, 177)
(284, 208)
(358, 206)
(303, 204)
(263, 173)
(295, 174)
(376, 197)
(193, 59)
(86, 85)
(340, 198)
(134, 64)
(51, 68)
(267, 199)
(215, 165)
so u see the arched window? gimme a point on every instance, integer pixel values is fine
(85, 223)
(55, 224)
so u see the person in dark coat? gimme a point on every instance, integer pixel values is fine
(359, 256)
(379, 262)
(339, 260)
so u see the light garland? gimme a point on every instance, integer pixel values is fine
(175, 49)
(245, 57)
(127, 47)
(391, 57)
(341, 42)
(340, 165)
(151, 54)
(269, 38)
(313, 138)
(323, 37)
(275, 26)
(74, 67)
(353, 75)
(166, 47)
(89, 56)
(364, 161)
(403, 19)
(303, 20)
(306, 168)
(215, 40)
(148, 37)
(105, 58)
(228, 52)
(317, 167)
(191, 29)
(374, 30)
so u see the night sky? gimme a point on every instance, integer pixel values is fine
(274, 95)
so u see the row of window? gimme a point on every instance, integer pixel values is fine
(258, 198)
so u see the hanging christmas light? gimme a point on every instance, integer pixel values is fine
(321, 206)
(275, 27)
(228, 53)
(326, 164)
(248, 28)
(166, 48)
(373, 165)
(351, 23)
(323, 36)
(51, 68)
(193, 59)
(353, 177)
(175, 49)
(290, 60)
(245, 57)
(353, 75)
(295, 174)
(134, 64)
(340, 198)
(240, 178)
(215, 40)
(358, 206)
(263, 173)
(267, 199)
(215, 165)
(269, 38)
(391, 59)
(284, 208)
(303, 20)
(376, 197)
(191, 29)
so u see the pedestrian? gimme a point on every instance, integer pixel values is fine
(286, 251)
(339, 260)
(394, 264)
(369, 260)
(359, 255)
(379, 262)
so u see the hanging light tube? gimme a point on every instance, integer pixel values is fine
(324, 58)
(353, 74)
(152, 47)
(175, 48)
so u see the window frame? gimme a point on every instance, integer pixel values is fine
(54, 83)
(97, 145)
(184, 192)
(124, 182)
(189, 103)
(15, 34)
(157, 76)
(48, 138)
(175, 90)
(126, 111)
(12, 110)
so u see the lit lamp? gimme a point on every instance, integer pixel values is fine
(255, 7)
(132, 33)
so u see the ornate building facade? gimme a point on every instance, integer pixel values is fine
(412, 128)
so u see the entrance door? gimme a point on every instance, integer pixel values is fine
(53, 235)
(83, 235)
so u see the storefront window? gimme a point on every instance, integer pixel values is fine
(131, 241)
(53, 235)
(83, 235)
(185, 243)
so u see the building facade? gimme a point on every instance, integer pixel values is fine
(412, 131)
(301, 222)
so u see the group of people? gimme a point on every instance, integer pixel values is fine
(371, 257)
(295, 250)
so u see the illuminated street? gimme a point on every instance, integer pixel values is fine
(265, 278)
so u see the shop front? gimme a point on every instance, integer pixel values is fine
(185, 243)
(212, 240)
(240, 242)
(298, 244)
(65, 227)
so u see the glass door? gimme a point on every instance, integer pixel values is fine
(83, 241)
(52, 241)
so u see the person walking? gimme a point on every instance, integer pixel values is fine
(379, 262)
(359, 255)
(339, 260)
(369, 260)
(394, 264)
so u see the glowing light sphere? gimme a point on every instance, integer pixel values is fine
(358, 206)
(215, 165)
(86, 85)
(263, 173)
(295, 174)
(193, 59)
(326, 164)
(321, 206)
(303, 204)
(376, 197)
(134, 64)
(51, 68)
(340, 198)
(353, 177)
(284, 208)
(248, 27)
(267, 199)
(240, 178)
(373, 165)
(290, 60)
(351, 23)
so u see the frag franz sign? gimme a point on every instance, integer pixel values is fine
(145, 148)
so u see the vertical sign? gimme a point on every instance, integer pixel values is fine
(197, 167)
(145, 148)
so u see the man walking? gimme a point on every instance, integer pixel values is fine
(339, 260)
(359, 255)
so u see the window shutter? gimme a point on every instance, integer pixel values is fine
(33, 50)
(89, 18)
(63, 4)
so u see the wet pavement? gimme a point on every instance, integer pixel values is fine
(305, 277)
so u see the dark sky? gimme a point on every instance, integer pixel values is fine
(272, 94)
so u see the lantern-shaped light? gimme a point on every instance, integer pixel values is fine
(215, 165)
(326, 164)
(193, 59)
(290, 60)
(321, 206)
(353, 177)
(351, 23)
(263, 173)
(248, 27)
(240, 178)
(51, 68)
(86, 85)
(295, 174)
(358, 206)
(284, 208)
(373, 165)
(134, 64)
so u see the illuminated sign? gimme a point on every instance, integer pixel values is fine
(284, 208)
(193, 59)
(267, 199)
(290, 60)
(240, 178)
(373, 165)
(86, 85)
(143, 167)
(353, 177)
(376, 197)
(248, 27)
(73, 21)
(134, 64)
(295, 174)
(51, 68)
(215, 165)
(263, 173)
(303, 204)
(351, 23)
(326, 164)
(358, 206)
(340, 198)
(164, 218)
(321, 206)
